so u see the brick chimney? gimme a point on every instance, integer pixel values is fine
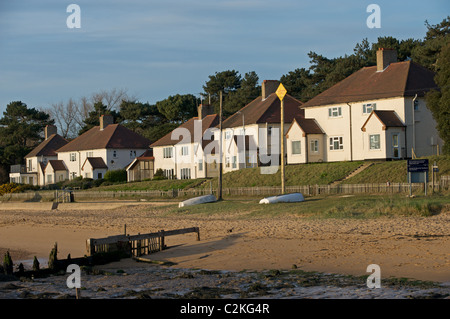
(50, 130)
(268, 87)
(385, 57)
(106, 120)
(204, 110)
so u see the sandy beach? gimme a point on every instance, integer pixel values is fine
(403, 247)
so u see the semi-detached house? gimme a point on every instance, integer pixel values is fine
(378, 112)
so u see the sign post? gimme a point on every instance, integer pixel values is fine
(281, 92)
(418, 172)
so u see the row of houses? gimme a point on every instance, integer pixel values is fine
(378, 112)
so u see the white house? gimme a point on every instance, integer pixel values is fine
(185, 152)
(378, 112)
(105, 147)
(260, 122)
(55, 171)
(33, 172)
(305, 142)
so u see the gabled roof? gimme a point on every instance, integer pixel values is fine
(308, 126)
(48, 147)
(399, 79)
(114, 136)
(387, 119)
(95, 162)
(148, 155)
(57, 165)
(265, 111)
(208, 121)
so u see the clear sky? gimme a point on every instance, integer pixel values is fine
(154, 49)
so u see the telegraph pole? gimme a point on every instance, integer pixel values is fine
(219, 190)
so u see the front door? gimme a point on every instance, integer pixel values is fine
(395, 146)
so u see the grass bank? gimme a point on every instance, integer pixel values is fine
(396, 171)
(363, 206)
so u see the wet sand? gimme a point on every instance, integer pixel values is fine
(411, 247)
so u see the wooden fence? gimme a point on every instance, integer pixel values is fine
(307, 190)
(136, 245)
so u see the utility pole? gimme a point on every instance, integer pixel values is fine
(281, 92)
(219, 190)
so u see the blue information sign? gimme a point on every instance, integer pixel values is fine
(418, 165)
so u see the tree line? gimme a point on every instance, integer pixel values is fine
(21, 126)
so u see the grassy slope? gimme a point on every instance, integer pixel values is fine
(396, 171)
(163, 185)
(362, 206)
(302, 174)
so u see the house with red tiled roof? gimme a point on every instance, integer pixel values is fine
(55, 171)
(260, 122)
(305, 141)
(105, 147)
(378, 112)
(186, 152)
(33, 172)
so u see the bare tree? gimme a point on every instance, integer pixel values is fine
(112, 99)
(70, 117)
(65, 116)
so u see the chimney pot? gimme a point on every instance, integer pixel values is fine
(106, 120)
(385, 57)
(268, 87)
(204, 110)
(50, 130)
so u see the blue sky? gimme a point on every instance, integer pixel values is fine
(154, 49)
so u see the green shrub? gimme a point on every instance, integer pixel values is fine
(159, 175)
(98, 182)
(9, 188)
(116, 176)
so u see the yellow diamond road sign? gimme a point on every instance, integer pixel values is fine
(281, 92)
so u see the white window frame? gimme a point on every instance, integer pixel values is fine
(334, 112)
(228, 134)
(375, 143)
(168, 152)
(314, 146)
(185, 173)
(369, 107)
(200, 165)
(73, 157)
(299, 147)
(114, 154)
(184, 150)
(339, 140)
